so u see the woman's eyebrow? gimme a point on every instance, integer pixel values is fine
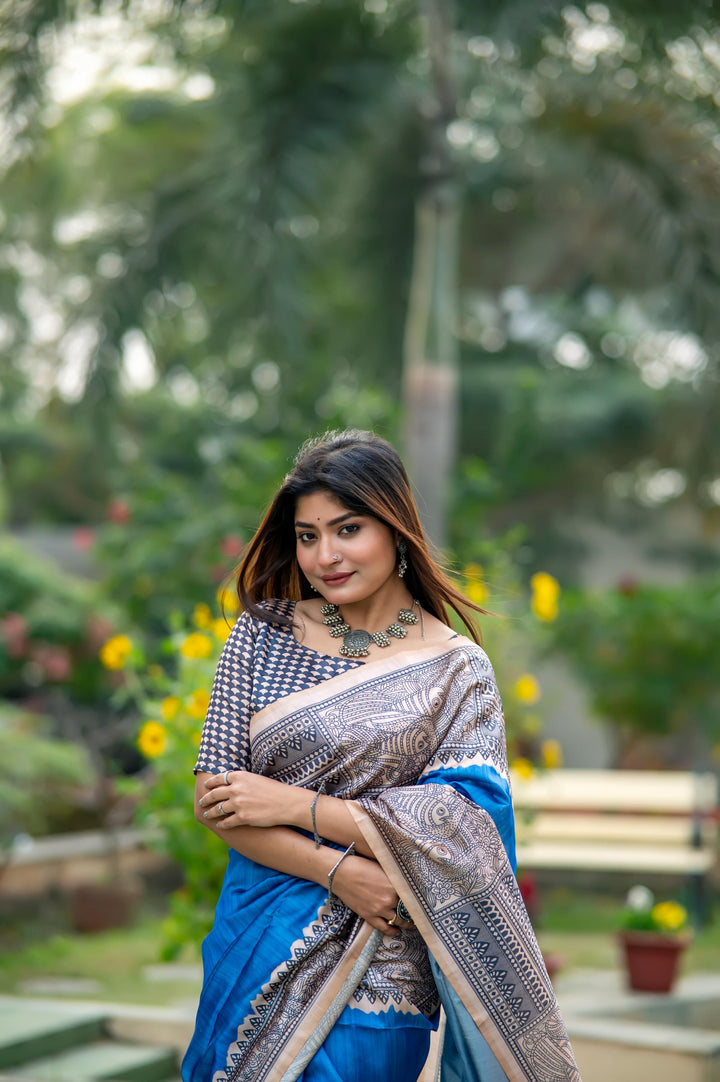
(332, 522)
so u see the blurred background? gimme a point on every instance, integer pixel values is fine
(488, 230)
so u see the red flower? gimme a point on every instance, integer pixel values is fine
(98, 630)
(55, 661)
(83, 538)
(118, 511)
(13, 632)
(232, 545)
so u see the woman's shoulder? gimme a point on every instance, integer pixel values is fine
(251, 624)
(276, 606)
(475, 653)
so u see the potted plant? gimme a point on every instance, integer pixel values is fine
(653, 938)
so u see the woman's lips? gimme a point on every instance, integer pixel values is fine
(335, 580)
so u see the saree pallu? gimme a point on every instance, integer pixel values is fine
(415, 742)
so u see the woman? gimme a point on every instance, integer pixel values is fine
(353, 759)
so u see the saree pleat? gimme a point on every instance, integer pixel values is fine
(415, 743)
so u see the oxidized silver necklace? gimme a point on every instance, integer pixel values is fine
(357, 643)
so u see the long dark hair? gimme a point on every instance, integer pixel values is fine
(365, 474)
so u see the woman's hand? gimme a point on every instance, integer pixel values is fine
(363, 886)
(239, 798)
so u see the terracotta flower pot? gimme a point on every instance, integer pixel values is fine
(651, 959)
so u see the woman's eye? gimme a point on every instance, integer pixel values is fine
(304, 537)
(349, 528)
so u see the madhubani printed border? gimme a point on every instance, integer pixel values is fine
(481, 938)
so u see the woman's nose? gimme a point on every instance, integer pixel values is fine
(327, 553)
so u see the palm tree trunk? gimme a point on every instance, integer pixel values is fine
(430, 375)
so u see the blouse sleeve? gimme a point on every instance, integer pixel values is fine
(225, 742)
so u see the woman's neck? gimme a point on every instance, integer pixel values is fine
(379, 611)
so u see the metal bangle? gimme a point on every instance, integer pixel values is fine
(331, 874)
(313, 812)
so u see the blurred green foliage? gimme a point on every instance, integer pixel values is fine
(35, 762)
(173, 710)
(51, 628)
(238, 209)
(648, 655)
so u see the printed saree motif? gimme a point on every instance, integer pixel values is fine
(410, 741)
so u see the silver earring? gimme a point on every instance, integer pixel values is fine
(402, 553)
(313, 588)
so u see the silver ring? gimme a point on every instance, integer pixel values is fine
(401, 912)
(220, 808)
(225, 778)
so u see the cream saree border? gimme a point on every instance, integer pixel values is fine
(346, 681)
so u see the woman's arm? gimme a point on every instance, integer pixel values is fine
(254, 800)
(359, 882)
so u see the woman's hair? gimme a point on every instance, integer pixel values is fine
(365, 474)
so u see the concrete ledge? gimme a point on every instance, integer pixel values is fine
(63, 861)
(602, 1059)
(627, 1036)
(164, 1027)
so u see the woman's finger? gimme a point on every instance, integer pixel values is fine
(230, 819)
(225, 778)
(215, 796)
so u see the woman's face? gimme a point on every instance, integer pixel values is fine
(366, 548)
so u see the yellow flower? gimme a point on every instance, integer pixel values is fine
(542, 583)
(151, 739)
(115, 652)
(221, 629)
(196, 645)
(169, 707)
(669, 916)
(476, 592)
(202, 616)
(545, 607)
(527, 689)
(546, 591)
(523, 768)
(197, 703)
(229, 601)
(552, 755)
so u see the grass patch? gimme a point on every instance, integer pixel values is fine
(581, 928)
(116, 960)
(578, 927)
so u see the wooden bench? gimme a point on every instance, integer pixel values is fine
(642, 822)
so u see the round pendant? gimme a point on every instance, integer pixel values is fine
(357, 641)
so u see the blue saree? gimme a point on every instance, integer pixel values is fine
(296, 986)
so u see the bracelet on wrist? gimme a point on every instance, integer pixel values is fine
(331, 874)
(313, 813)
